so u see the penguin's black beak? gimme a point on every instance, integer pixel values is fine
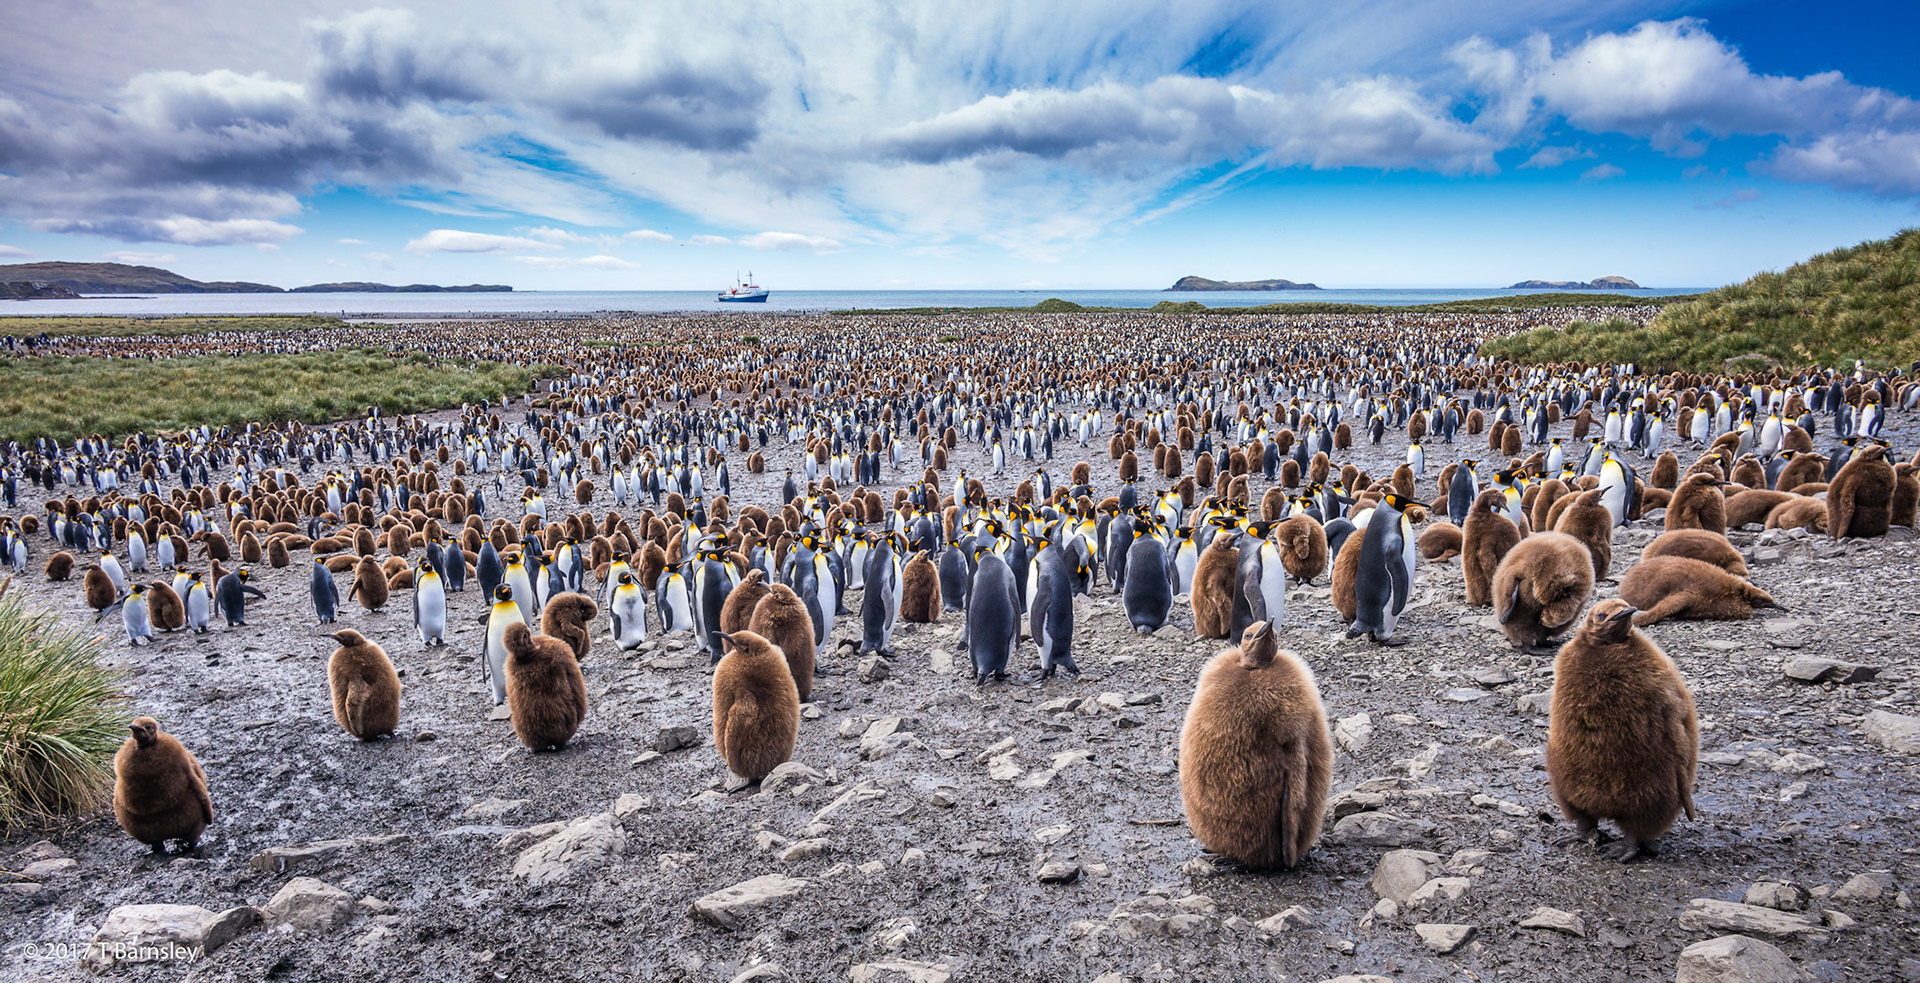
(1623, 614)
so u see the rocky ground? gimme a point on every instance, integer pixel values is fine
(931, 829)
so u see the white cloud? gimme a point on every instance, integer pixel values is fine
(707, 240)
(647, 235)
(1555, 156)
(377, 257)
(1879, 161)
(14, 251)
(1602, 172)
(547, 233)
(352, 242)
(791, 242)
(600, 262)
(138, 258)
(458, 241)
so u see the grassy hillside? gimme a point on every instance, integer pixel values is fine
(1860, 302)
(122, 327)
(120, 278)
(64, 397)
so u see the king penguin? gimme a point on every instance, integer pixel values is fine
(1383, 581)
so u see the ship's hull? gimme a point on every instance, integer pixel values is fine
(744, 298)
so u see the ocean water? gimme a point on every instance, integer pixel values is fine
(535, 302)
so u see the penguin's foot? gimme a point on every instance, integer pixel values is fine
(1628, 848)
(1592, 835)
(819, 671)
(1542, 650)
(1392, 641)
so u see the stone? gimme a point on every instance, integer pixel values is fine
(900, 971)
(149, 933)
(1893, 731)
(1354, 733)
(1838, 920)
(1002, 768)
(1402, 872)
(589, 842)
(493, 808)
(520, 839)
(729, 907)
(1057, 872)
(1347, 803)
(1437, 892)
(1379, 829)
(1496, 676)
(1292, 919)
(1736, 959)
(1443, 939)
(1465, 695)
(1555, 920)
(763, 973)
(1796, 763)
(788, 774)
(894, 932)
(807, 849)
(46, 870)
(631, 803)
(676, 737)
(1713, 915)
(36, 851)
(1778, 895)
(280, 859)
(307, 904)
(1863, 887)
(1813, 669)
(1053, 834)
(874, 669)
(1535, 702)
(501, 712)
(1357, 979)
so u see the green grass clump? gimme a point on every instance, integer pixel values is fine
(167, 327)
(63, 397)
(62, 716)
(1862, 302)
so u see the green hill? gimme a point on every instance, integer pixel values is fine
(1860, 302)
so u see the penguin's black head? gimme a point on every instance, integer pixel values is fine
(502, 593)
(146, 731)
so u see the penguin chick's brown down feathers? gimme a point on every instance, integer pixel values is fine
(736, 614)
(1698, 544)
(159, 789)
(1622, 740)
(545, 691)
(782, 619)
(1541, 586)
(1485, 539)
(1255, 758)
(756, 708)
(1860, 499)
(919, 590)
(1692, 590)
(566, 617)
(366, 690)
(369, 584)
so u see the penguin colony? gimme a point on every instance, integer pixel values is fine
(1188, 497)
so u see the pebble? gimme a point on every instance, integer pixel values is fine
(874, 669)
(1797, 763)
(1712, 914)
(1736, 959)
(729, 907)
(1056, 872)
(1555, 920)
(1778, 895)
(1443, 938)
(1812, 669)
(1893, 731)
(676, 737)
(1354, 733)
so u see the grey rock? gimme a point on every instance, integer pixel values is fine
(788, 774)
(1293, 919)
(1347, 803)
(307, 904)
(1893, 731)
(1796, 763)
(1441, 938)
(1465, 695)
(631, 803)
(874, 669)
(729, 907)
(494, 808)
(1713, 915)
(36, 851)
(142, 932)
(676, 737)
(46, 870)
(589, 842)
(1778, 895)
(1401, 872)
(1812, 669)
(1354, 733)
(1555, 920)
(1379, 829)
(1496, 676)
(1736, 959)
(281, 859)
(1437, 892)
(763, 973)
(900, 971)
(1864, 887)
(1535, 702)
(807, 849)
(1057, 872)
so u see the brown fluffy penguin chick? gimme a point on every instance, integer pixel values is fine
(366, 690)
(1589, 522)
(1666, 471)
(1303, 547)
(545, 691)
(737, 613)
(369, 584)
(1346, 569)
(159, 790)
(1212, 596)
(1622, 738)
(1541, 586)
(1440, 542)
(1691, 590)
(1753, 505)
(1698, 544)
(1485, 540)
(1255, 758)
(566, 617)
(1698, 504)
(99, 588)
(756, 707)
(60, 566)
(1799, 512)
(920, 590)
(164, 608)
(782, 619)
(1860, 498)
(1906, 494)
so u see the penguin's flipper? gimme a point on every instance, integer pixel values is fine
(250, 589)
(111, 608)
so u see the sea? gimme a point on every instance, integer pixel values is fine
(535, 303)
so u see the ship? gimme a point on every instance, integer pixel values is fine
(743, 292)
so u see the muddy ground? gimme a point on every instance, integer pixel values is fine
(931, 843)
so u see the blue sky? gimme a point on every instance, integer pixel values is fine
(667, 145)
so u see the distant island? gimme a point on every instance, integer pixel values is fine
(120, 278)
(411, 288)
(1202, 283)
(1603, 283)
(34, 290)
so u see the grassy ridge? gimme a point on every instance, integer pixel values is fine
(64, 397)
(123, 327)
(1054, 305)
(1862, 302)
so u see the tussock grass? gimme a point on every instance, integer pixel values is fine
(62, 716)
(1862, 302)
(126, 327)
(63, 397)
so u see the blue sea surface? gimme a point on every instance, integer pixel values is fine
(534, 302)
